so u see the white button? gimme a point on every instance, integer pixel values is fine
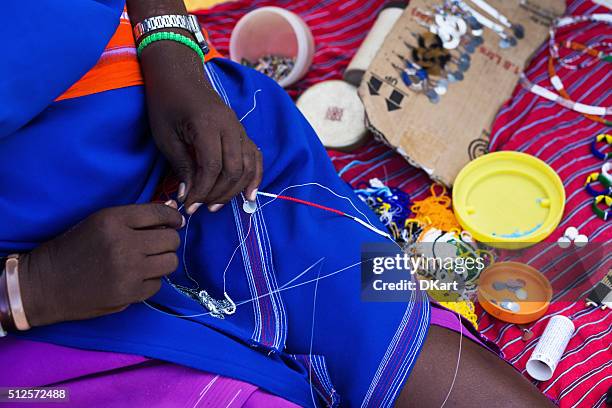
(571, 233)
(581, 240)
(564, 242)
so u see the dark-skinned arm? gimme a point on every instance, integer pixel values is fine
(200, 136)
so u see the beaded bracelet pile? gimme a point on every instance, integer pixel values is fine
(603, 195)
(170, 36)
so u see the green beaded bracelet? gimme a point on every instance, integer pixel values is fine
(170, 36)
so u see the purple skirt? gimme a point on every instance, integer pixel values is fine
(102, 379)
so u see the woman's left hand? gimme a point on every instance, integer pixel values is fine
(200, 136)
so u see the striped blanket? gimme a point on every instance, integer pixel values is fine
(525, 123)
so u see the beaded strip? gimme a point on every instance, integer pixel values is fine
(567, 103)
(592, 112)
(583, 49)
(170, 36)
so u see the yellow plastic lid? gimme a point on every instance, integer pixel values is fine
(508, 199)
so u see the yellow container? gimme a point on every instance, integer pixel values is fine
(508, 199)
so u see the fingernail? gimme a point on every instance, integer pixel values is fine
(172, 204)
(193, 208)
(214, 207)
(253, 195)
(184, 222)
(181, 191)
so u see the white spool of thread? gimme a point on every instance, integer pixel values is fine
(374, 40)
(550, 348)
(335, 112)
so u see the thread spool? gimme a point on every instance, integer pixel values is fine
(385, 21)
(544, 359)
(336, 113)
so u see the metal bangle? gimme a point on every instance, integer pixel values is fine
(6, 318)
(185, 22)
(14, 293)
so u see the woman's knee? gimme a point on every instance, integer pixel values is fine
(482, 379)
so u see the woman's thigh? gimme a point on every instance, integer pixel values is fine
(483, 379)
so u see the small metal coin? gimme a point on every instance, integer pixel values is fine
(515, 283)
(510, 305)
(477, 32)
(464, 65)
(440, 89)
(499, 285)
(521, 294)
(473, 23)
(518, 30)
(249, 207)
(503, 44)
(433, 97)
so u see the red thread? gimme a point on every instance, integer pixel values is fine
(319, 206)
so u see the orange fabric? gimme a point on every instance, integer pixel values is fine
(118, 66)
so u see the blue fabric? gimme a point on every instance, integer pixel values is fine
(62, 161)
(47, 46)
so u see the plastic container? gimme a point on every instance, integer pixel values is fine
(537, 287)
(273, 31)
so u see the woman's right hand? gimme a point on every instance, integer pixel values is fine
(112, 259)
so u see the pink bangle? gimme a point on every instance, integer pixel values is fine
(14, 293)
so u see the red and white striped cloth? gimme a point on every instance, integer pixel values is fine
(526, 123)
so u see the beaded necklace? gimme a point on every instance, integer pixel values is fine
(563, 98)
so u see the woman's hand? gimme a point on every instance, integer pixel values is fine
(112, 259)
(200, 136)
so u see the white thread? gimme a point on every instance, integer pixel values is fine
(314, 309)
(302, 273)
(373, 229)
(254, 105)
(458, 361)
(282, 288)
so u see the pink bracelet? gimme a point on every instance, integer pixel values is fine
(14, 293)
